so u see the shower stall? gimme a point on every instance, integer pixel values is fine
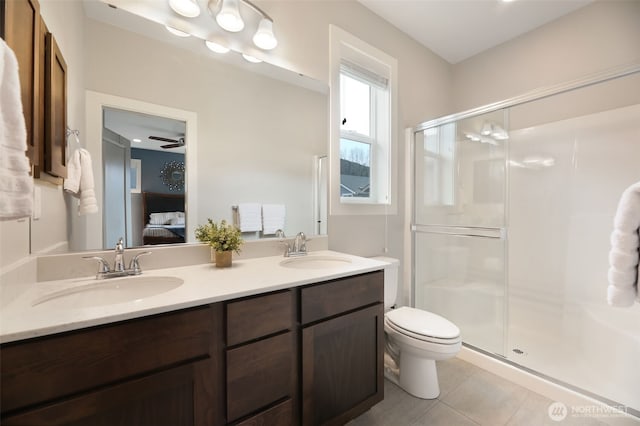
(513, 207)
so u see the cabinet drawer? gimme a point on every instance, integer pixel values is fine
(281, 414)
(256, 317)
(52, 367)
(342, 295)
(258, 374)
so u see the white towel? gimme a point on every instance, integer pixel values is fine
(624, 257)
(16, 185)
(273, 218)
(79, 181)
(249, 217)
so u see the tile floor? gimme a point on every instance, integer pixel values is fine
(468, 396)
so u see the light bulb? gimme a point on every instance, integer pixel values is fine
(229, 16)
(215, 47)
(176, 31)
(188, 8)
(251, 58)
(264, 37)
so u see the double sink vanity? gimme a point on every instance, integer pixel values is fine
(269, 341)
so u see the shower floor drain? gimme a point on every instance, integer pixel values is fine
(519, 351)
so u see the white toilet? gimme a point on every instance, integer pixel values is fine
(415, 340)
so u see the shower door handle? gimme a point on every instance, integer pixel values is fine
(461, 231)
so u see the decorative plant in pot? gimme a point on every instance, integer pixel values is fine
(223, 238)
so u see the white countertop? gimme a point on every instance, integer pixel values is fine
(203, 284)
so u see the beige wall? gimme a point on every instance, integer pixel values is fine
(424, 91)
(303, 32)
(598, 37)
(65, 21)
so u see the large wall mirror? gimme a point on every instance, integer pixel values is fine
(252, 133)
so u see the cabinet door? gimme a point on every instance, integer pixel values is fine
(259, 374)
(166, 398)
(342, 366)
(21, 28)
(55, 141)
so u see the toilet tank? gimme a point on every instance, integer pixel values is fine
(390, 280)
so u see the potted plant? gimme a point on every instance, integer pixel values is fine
(223, 238)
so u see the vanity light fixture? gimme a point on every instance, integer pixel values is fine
(188, 8)
(215, 47)
(227, 15)
(176, 31)
(136, 140)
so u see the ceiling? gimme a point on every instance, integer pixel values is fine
(458, 29)
(134, 125)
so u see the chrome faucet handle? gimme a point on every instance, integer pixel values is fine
(300, 243)
(103, 266)
(134, 265)
(282, 240)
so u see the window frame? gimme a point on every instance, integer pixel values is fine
(383, 176)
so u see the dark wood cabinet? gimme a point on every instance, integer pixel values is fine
(43, 84)
(262, 360)
(165, 398)
(55, 109)
(22, 34)
(311, 355)
(342, 352)
(171, 364)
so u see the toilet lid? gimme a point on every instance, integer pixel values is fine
(423, 323)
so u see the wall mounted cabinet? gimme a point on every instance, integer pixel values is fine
(55, 107)
(22, 35)
(43, 85)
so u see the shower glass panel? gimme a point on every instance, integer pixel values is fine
(459, 254)
(572, 154)
(550, 180)
(462, 279)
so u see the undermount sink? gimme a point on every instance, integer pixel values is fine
(315, 262)
(109, 292)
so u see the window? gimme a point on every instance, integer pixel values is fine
(363, 123)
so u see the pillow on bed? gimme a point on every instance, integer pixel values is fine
(161, 218)
(177, 221)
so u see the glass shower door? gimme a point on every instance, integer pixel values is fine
(459, 222)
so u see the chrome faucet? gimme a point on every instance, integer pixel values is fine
(298, 246)
(118, 263)
(119, 270)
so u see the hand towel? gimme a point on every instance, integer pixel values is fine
(249, 217)
(79, 182)
(624, 256)
(273, 218)
(16, 184)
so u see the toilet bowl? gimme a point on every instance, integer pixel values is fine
(415, 340)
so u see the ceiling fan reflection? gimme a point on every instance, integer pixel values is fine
(175, 143)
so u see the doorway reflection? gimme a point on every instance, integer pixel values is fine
(143, 159)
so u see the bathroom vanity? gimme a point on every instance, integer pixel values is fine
(310, 353)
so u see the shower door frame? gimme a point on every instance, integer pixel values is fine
(410, 214)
